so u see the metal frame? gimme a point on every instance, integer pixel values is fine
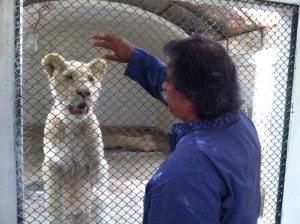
(291, 193)
(290, 186)
(8, 189)
(8, 132)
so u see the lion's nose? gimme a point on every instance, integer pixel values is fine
(83, 93)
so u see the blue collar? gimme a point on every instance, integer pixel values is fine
(184, 128)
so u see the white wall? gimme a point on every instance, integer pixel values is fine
(67, 29)
(8, 205)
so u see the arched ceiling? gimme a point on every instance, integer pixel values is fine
(218, 21)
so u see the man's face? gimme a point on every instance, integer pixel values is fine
(175, 100)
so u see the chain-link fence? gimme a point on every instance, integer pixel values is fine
(64, 161)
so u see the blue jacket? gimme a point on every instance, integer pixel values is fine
(213, 173)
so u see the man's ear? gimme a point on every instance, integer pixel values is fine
(53, 62)
(190, 109)
(98, 67)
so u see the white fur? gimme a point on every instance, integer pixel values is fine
(75, 170)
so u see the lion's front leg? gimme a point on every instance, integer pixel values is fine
(99, 177)
(51, 177)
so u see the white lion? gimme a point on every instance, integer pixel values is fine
(75, 171)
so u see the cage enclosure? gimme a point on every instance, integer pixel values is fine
(258, 35)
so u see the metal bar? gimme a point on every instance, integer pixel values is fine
(18, 115)
(285, 136)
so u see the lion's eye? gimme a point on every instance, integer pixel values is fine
(91, 78)
(69, 77)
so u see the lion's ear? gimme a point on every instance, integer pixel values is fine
(53, 62)
(98, 67)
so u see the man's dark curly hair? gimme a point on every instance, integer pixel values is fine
(204, 73)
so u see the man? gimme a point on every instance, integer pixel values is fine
(213, 173)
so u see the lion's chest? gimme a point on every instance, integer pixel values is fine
(72, 146)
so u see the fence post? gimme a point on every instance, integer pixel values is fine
(8, 194)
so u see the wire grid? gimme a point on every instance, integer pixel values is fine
(134, 126)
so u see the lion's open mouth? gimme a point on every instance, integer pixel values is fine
(81, 108)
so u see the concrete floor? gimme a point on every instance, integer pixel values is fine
(129, 171)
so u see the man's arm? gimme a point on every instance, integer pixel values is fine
(148, 71)
(142, 67)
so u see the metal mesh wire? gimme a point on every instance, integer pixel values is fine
(134, 126)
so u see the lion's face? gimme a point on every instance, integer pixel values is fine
(74, 85)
